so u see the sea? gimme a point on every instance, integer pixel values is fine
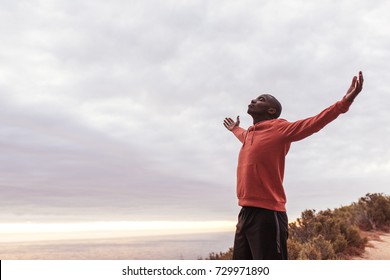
(166, 247)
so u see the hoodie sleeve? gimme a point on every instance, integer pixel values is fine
(295, 131)
(239, 132)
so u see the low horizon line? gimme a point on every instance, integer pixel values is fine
(38, 231)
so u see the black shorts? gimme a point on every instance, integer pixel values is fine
(261, 234)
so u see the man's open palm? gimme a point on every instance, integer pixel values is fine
(230, 124)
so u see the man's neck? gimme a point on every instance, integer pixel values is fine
(257, 119)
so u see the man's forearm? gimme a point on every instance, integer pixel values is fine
(239, 132)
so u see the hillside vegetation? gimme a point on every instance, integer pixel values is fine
(333, 234)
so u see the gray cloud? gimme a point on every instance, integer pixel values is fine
(115, 109)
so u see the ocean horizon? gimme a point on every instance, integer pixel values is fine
(159, 247)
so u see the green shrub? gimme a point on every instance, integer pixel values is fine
(309, 252)
(293, 249)
(372, 212)
(324, 247)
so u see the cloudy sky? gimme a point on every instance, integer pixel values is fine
(113, 110)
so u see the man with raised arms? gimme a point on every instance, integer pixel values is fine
(262, 227)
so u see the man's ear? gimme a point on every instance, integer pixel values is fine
(271, 111)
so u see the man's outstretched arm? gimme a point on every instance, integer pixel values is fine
(301, 129)
(355, 88)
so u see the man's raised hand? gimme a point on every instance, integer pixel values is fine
(355, 88)
(230, 124)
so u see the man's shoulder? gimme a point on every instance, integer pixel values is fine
(279, 121)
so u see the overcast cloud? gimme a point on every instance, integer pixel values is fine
(113, 110)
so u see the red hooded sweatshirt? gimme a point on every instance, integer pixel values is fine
(261, 160)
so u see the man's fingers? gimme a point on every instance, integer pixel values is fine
(354, 84)
(228, 121)
(354, 79)
(359, 82)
